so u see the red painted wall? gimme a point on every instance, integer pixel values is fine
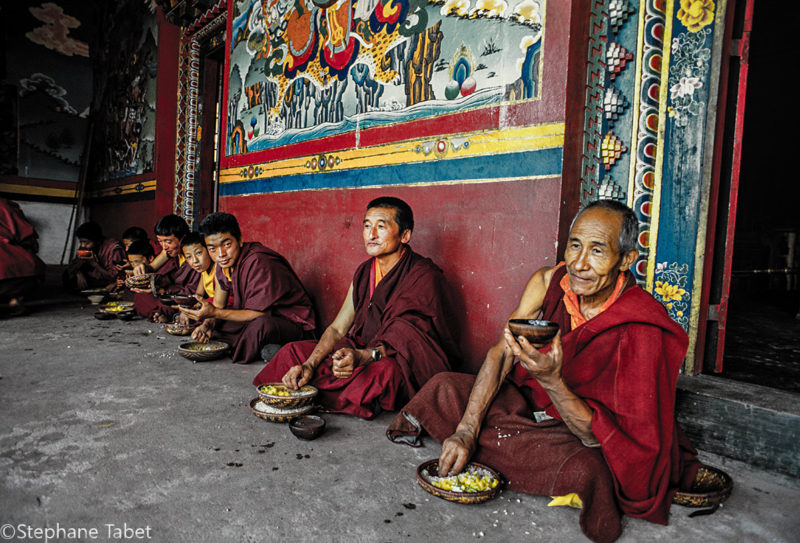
(487, 237)
(116, 217)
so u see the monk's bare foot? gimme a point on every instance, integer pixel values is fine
(159, 318)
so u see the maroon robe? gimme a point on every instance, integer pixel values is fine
(20, 268)
(624, 364)
(174, 278)
(111, 257)
(409, 314)
(262, 280)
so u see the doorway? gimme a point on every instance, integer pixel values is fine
(757, 339)
(209, 125)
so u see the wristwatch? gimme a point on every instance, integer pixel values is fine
(376, 355)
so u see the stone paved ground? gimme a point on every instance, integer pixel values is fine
(103, 423)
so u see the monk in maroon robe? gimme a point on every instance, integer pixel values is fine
(391, 335)
(266, 302)
(602, 394)
(99, 262)
(21, 270)
(173, 275)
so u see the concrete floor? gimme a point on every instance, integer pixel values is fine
(103, 423)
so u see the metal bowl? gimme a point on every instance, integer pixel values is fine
(307, 427)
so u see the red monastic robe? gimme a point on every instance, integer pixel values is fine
(624, 364)
(262, 280)
(174, 278)
(17, 236)
(409, 314)
(110, 256)
(20, 268)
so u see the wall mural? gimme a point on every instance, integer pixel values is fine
(308, 69)
(125, 135)
(47, 89)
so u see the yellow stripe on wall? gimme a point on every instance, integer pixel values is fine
(451, 146)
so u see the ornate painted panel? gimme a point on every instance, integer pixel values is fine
(313, 69)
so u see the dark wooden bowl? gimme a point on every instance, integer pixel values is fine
(534, 330)
(431, 468)
(185, 301)
(101, 316)
(127, 315)
(307, 427)
(711, 486)
(203, 352)
(84, 254)
(278, 414)
(297, 398)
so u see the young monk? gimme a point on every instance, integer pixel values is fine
(267, 304)
(99, 261)
(175, 276)
(196, 254)
(135, 233)
(392, 333)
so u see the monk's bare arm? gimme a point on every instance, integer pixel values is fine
(457, 449)
(333, 333)
(158, 261)
(546, 368)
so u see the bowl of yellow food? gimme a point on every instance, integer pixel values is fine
(475, 484)
(115, 307)
(179, 329)
(279, 395)
(203, 352)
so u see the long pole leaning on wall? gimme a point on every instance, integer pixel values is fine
(77, 206)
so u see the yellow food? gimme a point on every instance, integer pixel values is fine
(470, 481)
(273, 390)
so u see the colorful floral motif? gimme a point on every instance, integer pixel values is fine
(696, 14)
(691, 60)
(670, 291)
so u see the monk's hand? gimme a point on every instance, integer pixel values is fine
(141, 290)
(81, 281)
(345, 361)
(205, 311)
(456, 452)
(545, 367)
(297, 376)
(140, 269)
(202, 334)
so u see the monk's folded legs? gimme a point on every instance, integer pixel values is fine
(247, 338)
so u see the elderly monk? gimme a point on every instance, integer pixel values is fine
(392, 332)
(173, 274)
(592, 414)
(266, 302)
(21, 271)
(99, 261)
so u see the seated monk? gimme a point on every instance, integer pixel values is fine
(99, 262)
(602, 394)
(136, 233)
(21, 271)
(392, 332)
(174, 275)
(258, 299)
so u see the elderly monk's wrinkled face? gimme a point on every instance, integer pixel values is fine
(382, 234)
(592, 256)
(171, 245)
(223, 248)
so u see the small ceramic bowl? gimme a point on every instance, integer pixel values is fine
(307, 427)
(96, 298)
(84, 254)
(535, 331)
